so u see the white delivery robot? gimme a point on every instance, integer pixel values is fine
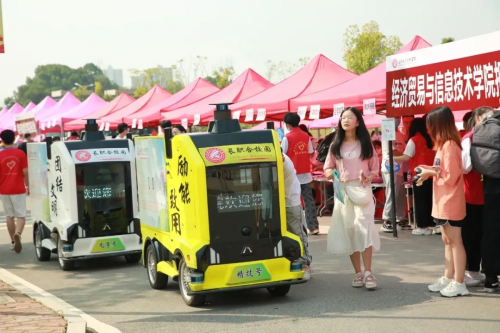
(84, 199)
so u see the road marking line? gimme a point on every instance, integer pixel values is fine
(76, 318)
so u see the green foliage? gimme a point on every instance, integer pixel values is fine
(141, 91)
(221, 77)
(9, 102)
(281, 70)
(163, 77)
(447, 40)
(60, 77)
(366, 48)
(98, 88)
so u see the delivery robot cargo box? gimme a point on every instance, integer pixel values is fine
(83, 198)
(212, 209)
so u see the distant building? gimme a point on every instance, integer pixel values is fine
(162, 76)
(115, 75)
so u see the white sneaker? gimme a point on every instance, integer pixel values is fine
(12, 246)
(455, 289)
(437, 230)
(440, 284)
(307, 272)
(422, 232)
(470, 282)
(476, 276)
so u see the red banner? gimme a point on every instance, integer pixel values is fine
(461, 84)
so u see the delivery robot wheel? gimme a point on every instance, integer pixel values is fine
(279, 291)
(66, 265)
(42, 254)
(133, 258)
(156, 279)
(184, 280)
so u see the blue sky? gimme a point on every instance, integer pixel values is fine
(142, 34)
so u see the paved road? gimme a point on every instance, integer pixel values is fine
(119, 294)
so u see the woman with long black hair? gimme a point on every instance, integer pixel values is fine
(419, 151)
(352, 163)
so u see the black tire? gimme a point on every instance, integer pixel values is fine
(42, 254)
(133, 258)
(184, 277)
(65, 265)
(156, 279)
(279, 291)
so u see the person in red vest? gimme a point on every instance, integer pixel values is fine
(419, 151)
(472, 231)
(298, 147)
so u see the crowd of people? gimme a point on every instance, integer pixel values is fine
(451, 197)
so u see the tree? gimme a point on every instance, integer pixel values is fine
(281, 70)
(367, 48)
(141, 91)
(447, 40)
(9, 102)
(98, 88)
(221, 77)
(59, 77)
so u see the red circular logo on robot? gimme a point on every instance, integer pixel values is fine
(394, 63)
(215, 155)
(83, 156)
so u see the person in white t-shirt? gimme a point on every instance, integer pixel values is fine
(398, 147)
(294, 215)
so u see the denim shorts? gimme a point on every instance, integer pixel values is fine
(456, 224)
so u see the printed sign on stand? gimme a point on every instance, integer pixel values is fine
(337, 109)
(139, 125)
(106, 128)
(249, 115)
(134, 123)
(369, 106)
(261, 114)
(302, 112)
(184, 122)
(314, 113)
(25, 123)
(388, 129)
(101, 127)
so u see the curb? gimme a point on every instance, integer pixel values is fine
(75, 323)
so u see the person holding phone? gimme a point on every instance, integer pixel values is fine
(354, 162)
(448, 207)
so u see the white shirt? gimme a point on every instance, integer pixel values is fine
(466, 160)
(292, 185)
(304, 178)
(410, 149)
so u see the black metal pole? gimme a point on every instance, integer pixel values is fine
(393, 192)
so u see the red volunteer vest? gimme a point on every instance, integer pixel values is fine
(473, 185)
(298, 143)
(423, 155)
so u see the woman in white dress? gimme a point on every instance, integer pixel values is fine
(352, 163)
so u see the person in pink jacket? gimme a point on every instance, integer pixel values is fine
(448, 209)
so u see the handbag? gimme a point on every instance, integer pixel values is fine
(360, 196)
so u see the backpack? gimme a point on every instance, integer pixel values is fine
(324, 147)
(485, 148)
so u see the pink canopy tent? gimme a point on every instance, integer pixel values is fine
(117, 104)
(8, 118)
(371, 121)
(90, 105)
(29, 107)
(277, 124)
(3, 111)
(319, 73)
(195, 91)
(45, 104)
(246, 85)
(352, 93)
(48, 118)
(152, 97)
